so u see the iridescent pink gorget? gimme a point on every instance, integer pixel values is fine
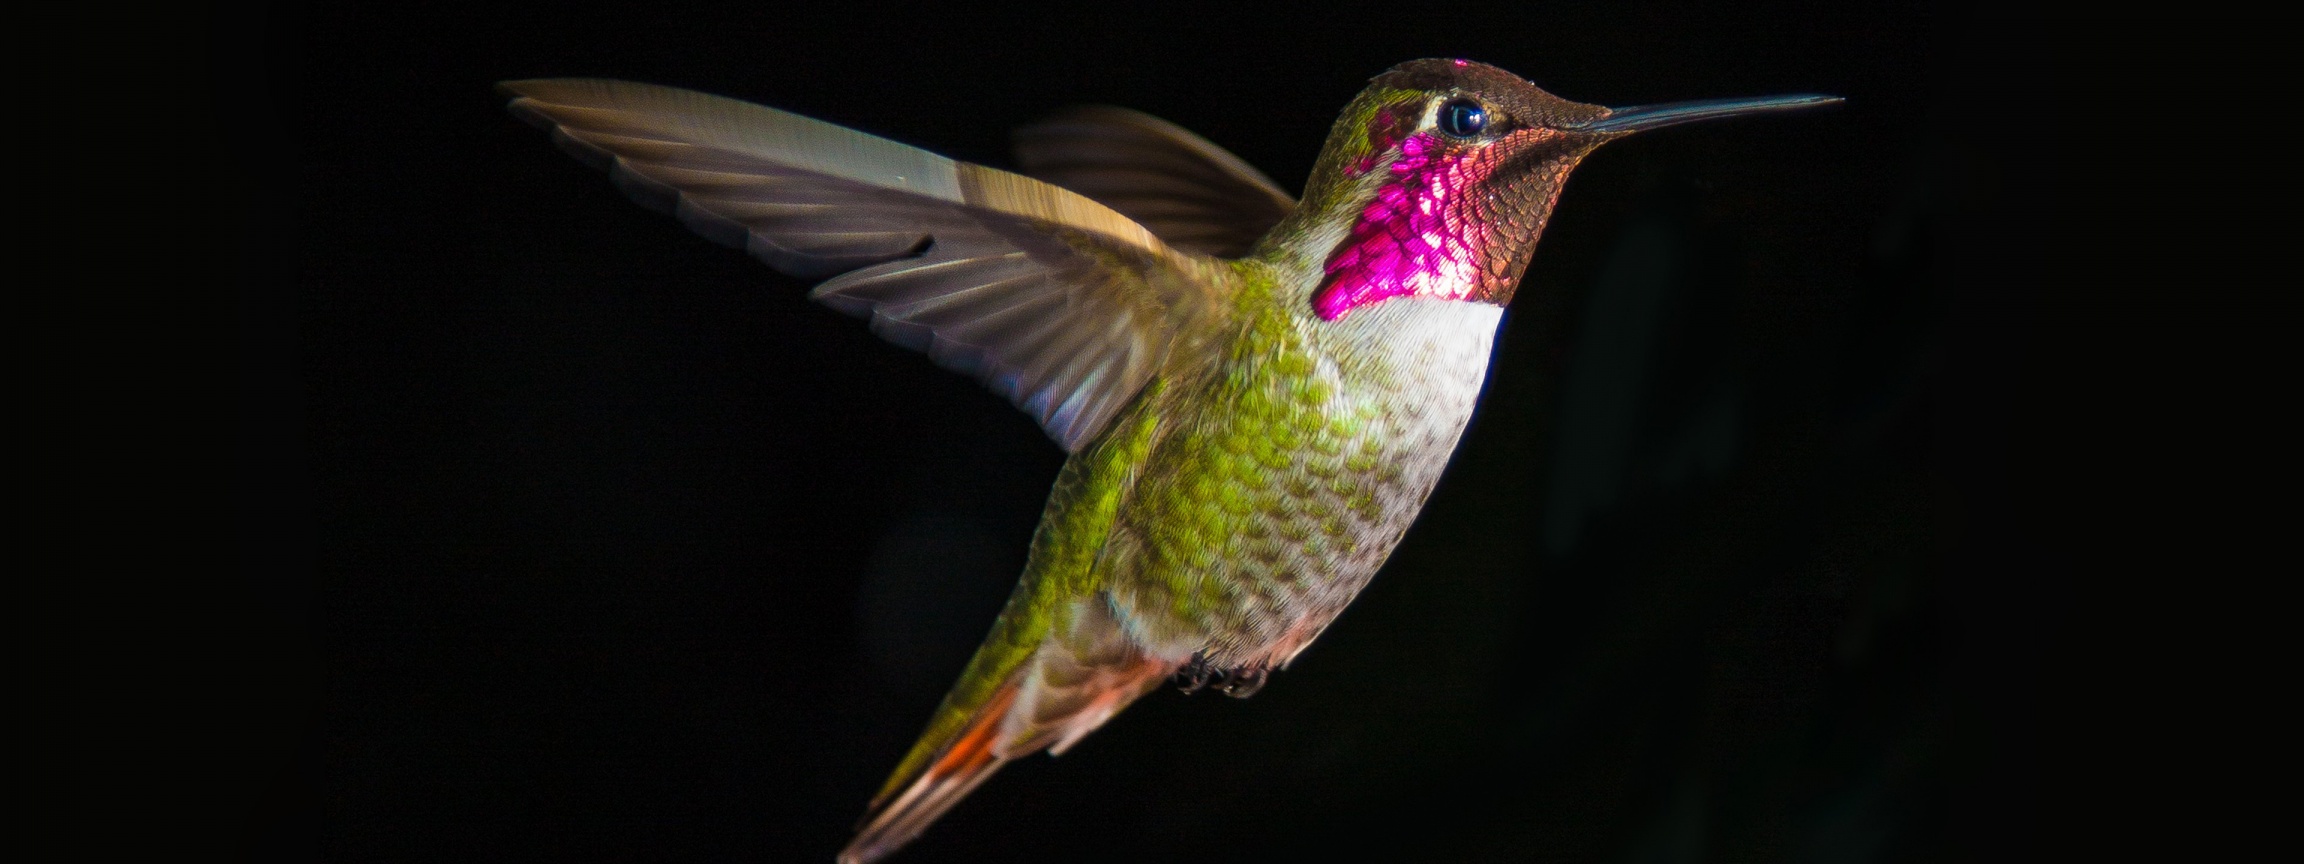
(1409, 240)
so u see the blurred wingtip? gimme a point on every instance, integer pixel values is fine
(525, 88)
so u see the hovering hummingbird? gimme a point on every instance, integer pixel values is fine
(1257, 393)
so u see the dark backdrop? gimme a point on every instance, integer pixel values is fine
(604, 544)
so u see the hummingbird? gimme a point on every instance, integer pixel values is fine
(1257, 392)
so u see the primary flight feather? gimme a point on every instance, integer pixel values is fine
(1258, 394)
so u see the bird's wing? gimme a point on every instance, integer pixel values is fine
(1189, 192)
(1053, 300)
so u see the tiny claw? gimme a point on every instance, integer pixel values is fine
(1244, 681)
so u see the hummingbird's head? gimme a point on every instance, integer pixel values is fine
(1443, 173)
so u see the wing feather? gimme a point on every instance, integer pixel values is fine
(1062, 304)
(1184, 189)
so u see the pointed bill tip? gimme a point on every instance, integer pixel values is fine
(1641, 118)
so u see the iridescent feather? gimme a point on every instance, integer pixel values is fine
(1258, 394)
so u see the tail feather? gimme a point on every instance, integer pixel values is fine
(893, 819)
(1063, 690)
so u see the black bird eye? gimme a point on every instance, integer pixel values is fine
(1462, 118)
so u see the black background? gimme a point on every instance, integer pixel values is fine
(584, 539)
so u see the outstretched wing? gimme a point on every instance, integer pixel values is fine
(1055, 301)
(1189, 192)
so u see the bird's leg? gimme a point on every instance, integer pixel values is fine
(1238, 682)
(1195, 674)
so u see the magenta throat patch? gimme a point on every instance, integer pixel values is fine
(1411, 240)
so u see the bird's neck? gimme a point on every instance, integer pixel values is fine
(1393, 341)
(1401, 215)
(1393, 210)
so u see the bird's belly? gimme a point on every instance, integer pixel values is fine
(1267, 512)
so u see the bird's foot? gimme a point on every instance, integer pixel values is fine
(1238, 682)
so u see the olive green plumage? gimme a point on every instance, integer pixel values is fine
(1249, 439)
(1236, 507)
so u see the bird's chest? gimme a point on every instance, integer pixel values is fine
(1281, 487)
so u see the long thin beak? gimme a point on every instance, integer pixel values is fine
(1641, 118)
